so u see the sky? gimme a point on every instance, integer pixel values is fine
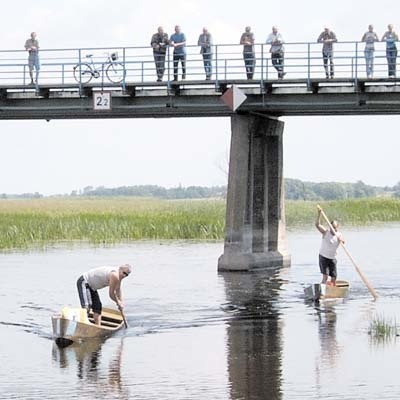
(60, 156)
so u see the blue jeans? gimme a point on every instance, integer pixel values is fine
(369, 61)
(249, 62)
(207, 57)
(391, 55)
(182, 59)
(327, 55)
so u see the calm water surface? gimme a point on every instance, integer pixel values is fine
(197, 334)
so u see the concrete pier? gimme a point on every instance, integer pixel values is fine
(255, 235)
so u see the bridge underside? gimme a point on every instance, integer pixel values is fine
(202, 99)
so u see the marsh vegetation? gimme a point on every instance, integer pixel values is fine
(24, 223)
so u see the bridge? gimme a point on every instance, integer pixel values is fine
(255, 221)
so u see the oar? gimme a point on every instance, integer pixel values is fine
(362, 276)
(123, 317)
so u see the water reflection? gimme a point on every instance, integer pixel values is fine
(89, 360)
(254, 343)
(327, 359)
(330, 349)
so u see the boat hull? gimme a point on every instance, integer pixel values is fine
(319, 291)
(73, 325)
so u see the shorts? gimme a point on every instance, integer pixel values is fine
(33, 60)
(88, 297)
(327, 266)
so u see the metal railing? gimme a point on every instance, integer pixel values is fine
(302, 62)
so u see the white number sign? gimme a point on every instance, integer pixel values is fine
(102, 100)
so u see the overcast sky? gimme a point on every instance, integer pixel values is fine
(61, 156)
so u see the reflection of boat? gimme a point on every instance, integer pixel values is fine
(320, 291)
(74, 325)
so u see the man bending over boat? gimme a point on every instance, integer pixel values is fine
(328, 251)
(97, 278)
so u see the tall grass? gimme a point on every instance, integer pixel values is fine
(382, 329)
(110, 220)
(24, 222)
(349, 212)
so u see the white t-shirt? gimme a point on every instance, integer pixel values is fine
(98, 278)
(329, 244)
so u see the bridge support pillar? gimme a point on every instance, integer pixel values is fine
(255, 233)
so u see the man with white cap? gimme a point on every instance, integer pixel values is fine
(97, 278)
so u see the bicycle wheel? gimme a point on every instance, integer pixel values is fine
(115, 72)
(83, 73)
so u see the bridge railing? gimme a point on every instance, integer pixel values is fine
(302, 61)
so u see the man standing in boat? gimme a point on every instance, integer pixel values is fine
(328, 251)
(97, 278)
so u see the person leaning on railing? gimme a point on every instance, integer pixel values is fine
(159, 43)
(327, 37)
(275, 39)
(205, 42)
(390, 37)
(249, 56)
(369, 37)
(32, 46)
(178, 42)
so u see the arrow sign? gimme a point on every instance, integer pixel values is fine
(233, 97)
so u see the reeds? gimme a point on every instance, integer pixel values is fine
(27, 222)
(356, 212)
(382, 329)
(24, 223)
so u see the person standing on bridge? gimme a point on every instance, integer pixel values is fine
(178, 42)
(328, 251)
(275, 39)
(159, 43)
(390, 37)
(327, 37)
(205, 42)
(370, 37)
(32, 46)
(97, 278)
(249, 56)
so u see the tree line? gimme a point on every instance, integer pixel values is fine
(295, 189)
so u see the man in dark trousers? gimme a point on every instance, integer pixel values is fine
(328, 251)
(159, 43)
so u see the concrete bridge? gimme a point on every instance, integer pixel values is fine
(255, 220)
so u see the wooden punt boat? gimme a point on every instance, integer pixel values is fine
(319, 291)
(75, 325)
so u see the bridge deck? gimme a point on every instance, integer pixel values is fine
(202, 98)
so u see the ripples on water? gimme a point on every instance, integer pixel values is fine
(197, 334)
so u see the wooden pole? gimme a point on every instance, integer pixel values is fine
(362, 276)
(123, 317)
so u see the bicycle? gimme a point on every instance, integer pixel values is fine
(114, 70)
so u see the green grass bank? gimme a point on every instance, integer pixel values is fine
(37, 222)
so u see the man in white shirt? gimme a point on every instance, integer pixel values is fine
(32, 47)
(97, 278)
(328, 251)
(276, 41)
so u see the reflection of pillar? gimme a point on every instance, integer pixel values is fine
(254, 345)
(255, 235)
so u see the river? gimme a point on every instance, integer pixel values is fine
(195, 333)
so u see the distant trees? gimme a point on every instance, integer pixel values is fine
(190, 192)
(295, 189)
(299, 190)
